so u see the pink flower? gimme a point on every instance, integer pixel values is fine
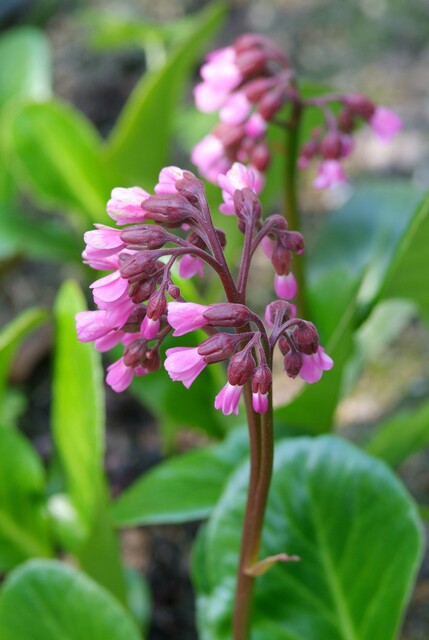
(285, 286)
(167, 180)
(385, 123)
(209, 156)
(91, 325)
(208, 98)
(109, 340)
(184, 364)
(228, 398)
(255, 126)
(101, 263)
(221, 70)
(260, 402)
(103, 241)
(149, 328)
(124, 205)
(330, 173)
(313, 366)
(119, 376)
(190, 266)
(238, 177)
(236, 109)
(110, 288)
(185, 317)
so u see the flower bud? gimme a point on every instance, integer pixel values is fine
(360, 105)
(278, 312)
(138, 266)
(293, 363)
(262, 379)
(156, 305)
(306, 337)
(227, 315)
(284, 345)
(247, 207)
(294, 242)
(190, 187)
(270, 104)
(260, 156)
(251, 62)
(221, 236)
(255, 89)
(173, 291)
(152, 361)
(135, 318)
(171, 209)
(148, 236)
(140, 291)
(331, 146)
(281, 259)
(345, 121)
(241, 366)
(135, 352)
(218, 347)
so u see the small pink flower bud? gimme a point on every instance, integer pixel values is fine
(241, 367)
(255, 126)
(306, 337)
(150, 327)
(236, 109)
(219, 347)
(385, 123)
(293, 363)
(330, 173)
(186, 316)
(125, 205)
(261, 385)
(167, 180)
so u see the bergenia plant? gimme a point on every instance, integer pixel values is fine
(139, 305)
(250, 83)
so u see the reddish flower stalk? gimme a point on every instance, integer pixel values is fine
(140, 304)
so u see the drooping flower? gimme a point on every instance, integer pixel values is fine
(228, 398)
(186, 316)
(237, 178)
(209, 157)
(167, 180)
(119, 376)
(314, 365)
(385, 123)
(285, 286)
(125, 205)
(184, 364)
(330, 173)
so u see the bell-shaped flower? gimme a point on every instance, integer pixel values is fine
(184, 364)
(185, 317)
(228, 398)
(314, 365)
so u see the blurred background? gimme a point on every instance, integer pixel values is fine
(93, 54)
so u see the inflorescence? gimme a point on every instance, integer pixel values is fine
(139, 304)
(250, 83)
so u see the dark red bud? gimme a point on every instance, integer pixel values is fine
(240, 367)
(247, 207)
(218, 347)
(173, 291)
(138, 266)
(152, 360)
(306, 337)
(360, 105)
(190, 187)
(134, 353)
(281, 259)
(156, 305)
(262, 379)
(294, 242)
(255, 89)
(172, 208)
(249, 41)
(148, 236)
(140, 291)
(251, 62)
(221, 237)
(260, 156)
(331, 146)
(277, 222)
(270, 104)
(284, 345)
(230, 135)
(135, 319)
(293, 363)
(281, 310)
(310, 149)
(345, 121)
(227, 315)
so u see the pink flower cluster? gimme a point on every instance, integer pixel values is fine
(139, 304)
(250, 83)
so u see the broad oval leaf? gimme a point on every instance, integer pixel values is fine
(78, 406)
(183, 488)
(56, 155)
(45, 600)
(352, 524)
(23, 517)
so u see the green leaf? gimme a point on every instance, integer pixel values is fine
(41, 239)
(355, 529)
(139, 144)
(45, 600)
(171, 491)
(25, 68)
(23, 521)
(12, 335)
(56, 155)
(407, 274)
(78, 406)
(400, 436)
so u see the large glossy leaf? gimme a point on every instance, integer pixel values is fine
(352, 524)
(139, 144)
(401, 435)
(23, 521)
(45, 600)
(407, 275)
(12, 335)
(25, 68)
(78, 406)
(55, 154)
(184, 487)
